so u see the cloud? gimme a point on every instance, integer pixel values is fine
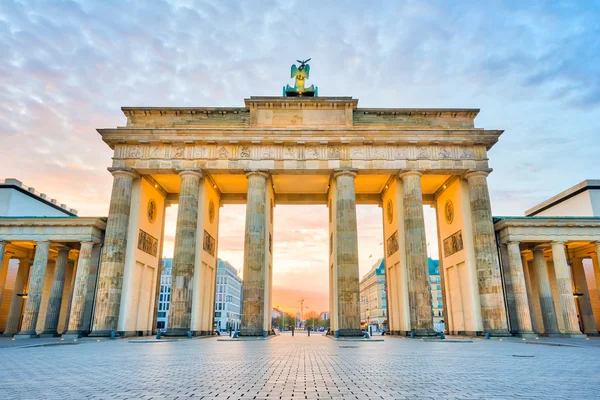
(67, 67)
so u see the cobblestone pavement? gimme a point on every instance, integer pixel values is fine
(300, 367)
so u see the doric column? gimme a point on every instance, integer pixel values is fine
(519, 287)
(4, 260)
(585, 305)
(596, 265)
(529, 290)
(36, 286)
(184, 254)
(255, 250)
(419, 289)
(346, 255)
(55, 300)
(16, 305)
(84, 263)
(545, 293)
(568, 310)
(110, 281)
(489, 281)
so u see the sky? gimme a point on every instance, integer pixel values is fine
(532, 67)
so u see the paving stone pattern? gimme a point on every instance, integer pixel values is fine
(300, 367)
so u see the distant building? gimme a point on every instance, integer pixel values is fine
(373, 301)
(165, 294)
(228, 298)
(324, 315)
(436, 294)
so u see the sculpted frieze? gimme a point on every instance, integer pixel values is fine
(296, 152)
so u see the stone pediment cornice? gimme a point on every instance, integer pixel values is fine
(420, 136)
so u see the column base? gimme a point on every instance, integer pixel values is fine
(576, 335)
(72, 335)
(348, 333)
(202, 333)
(134, 333)
(49, 334)
(526, 334)
(255, 332)
(496, 333)
(551, 335)
(181, 332)
(26, 336)
(101, 334)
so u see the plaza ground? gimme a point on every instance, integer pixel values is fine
(299, 367)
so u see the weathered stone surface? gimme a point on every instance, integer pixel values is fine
(346, 261)
(75, 326)
(255, 249)
(585, 305)
(568, 310)
(110, 282)
(519, 288)
(419, 290)
(36, 284)
(545, 293)
(56, 293)
(184, 254)
(489, 282)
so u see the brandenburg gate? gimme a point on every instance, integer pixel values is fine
(298, 149)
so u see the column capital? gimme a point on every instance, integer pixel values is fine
(557, 242)
(513, 242)
(190, 171)
(115, 171)
(541, 247)
(470, 174)
(409, 173)
(349, 171)
(4, 242)
(260, 172)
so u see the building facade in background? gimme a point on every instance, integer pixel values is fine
(373, 299)
(228, 297)
(437, 304)
(228, 301)
(164, 297)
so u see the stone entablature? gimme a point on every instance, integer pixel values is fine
(61, 229)
(303, 157)
(545, 229)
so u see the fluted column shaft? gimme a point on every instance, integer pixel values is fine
(519, 288)
(184, 254)
(585, 305)
(16, 305)
(346, 261)
(55, 300)
(529, 291)
(419, 289)
(596, 265)
(112, 266)
(84, 264)
(4, 259)
(36, 286)
(545, 293)
(565, 289)
(489, 280)
(255, 250)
